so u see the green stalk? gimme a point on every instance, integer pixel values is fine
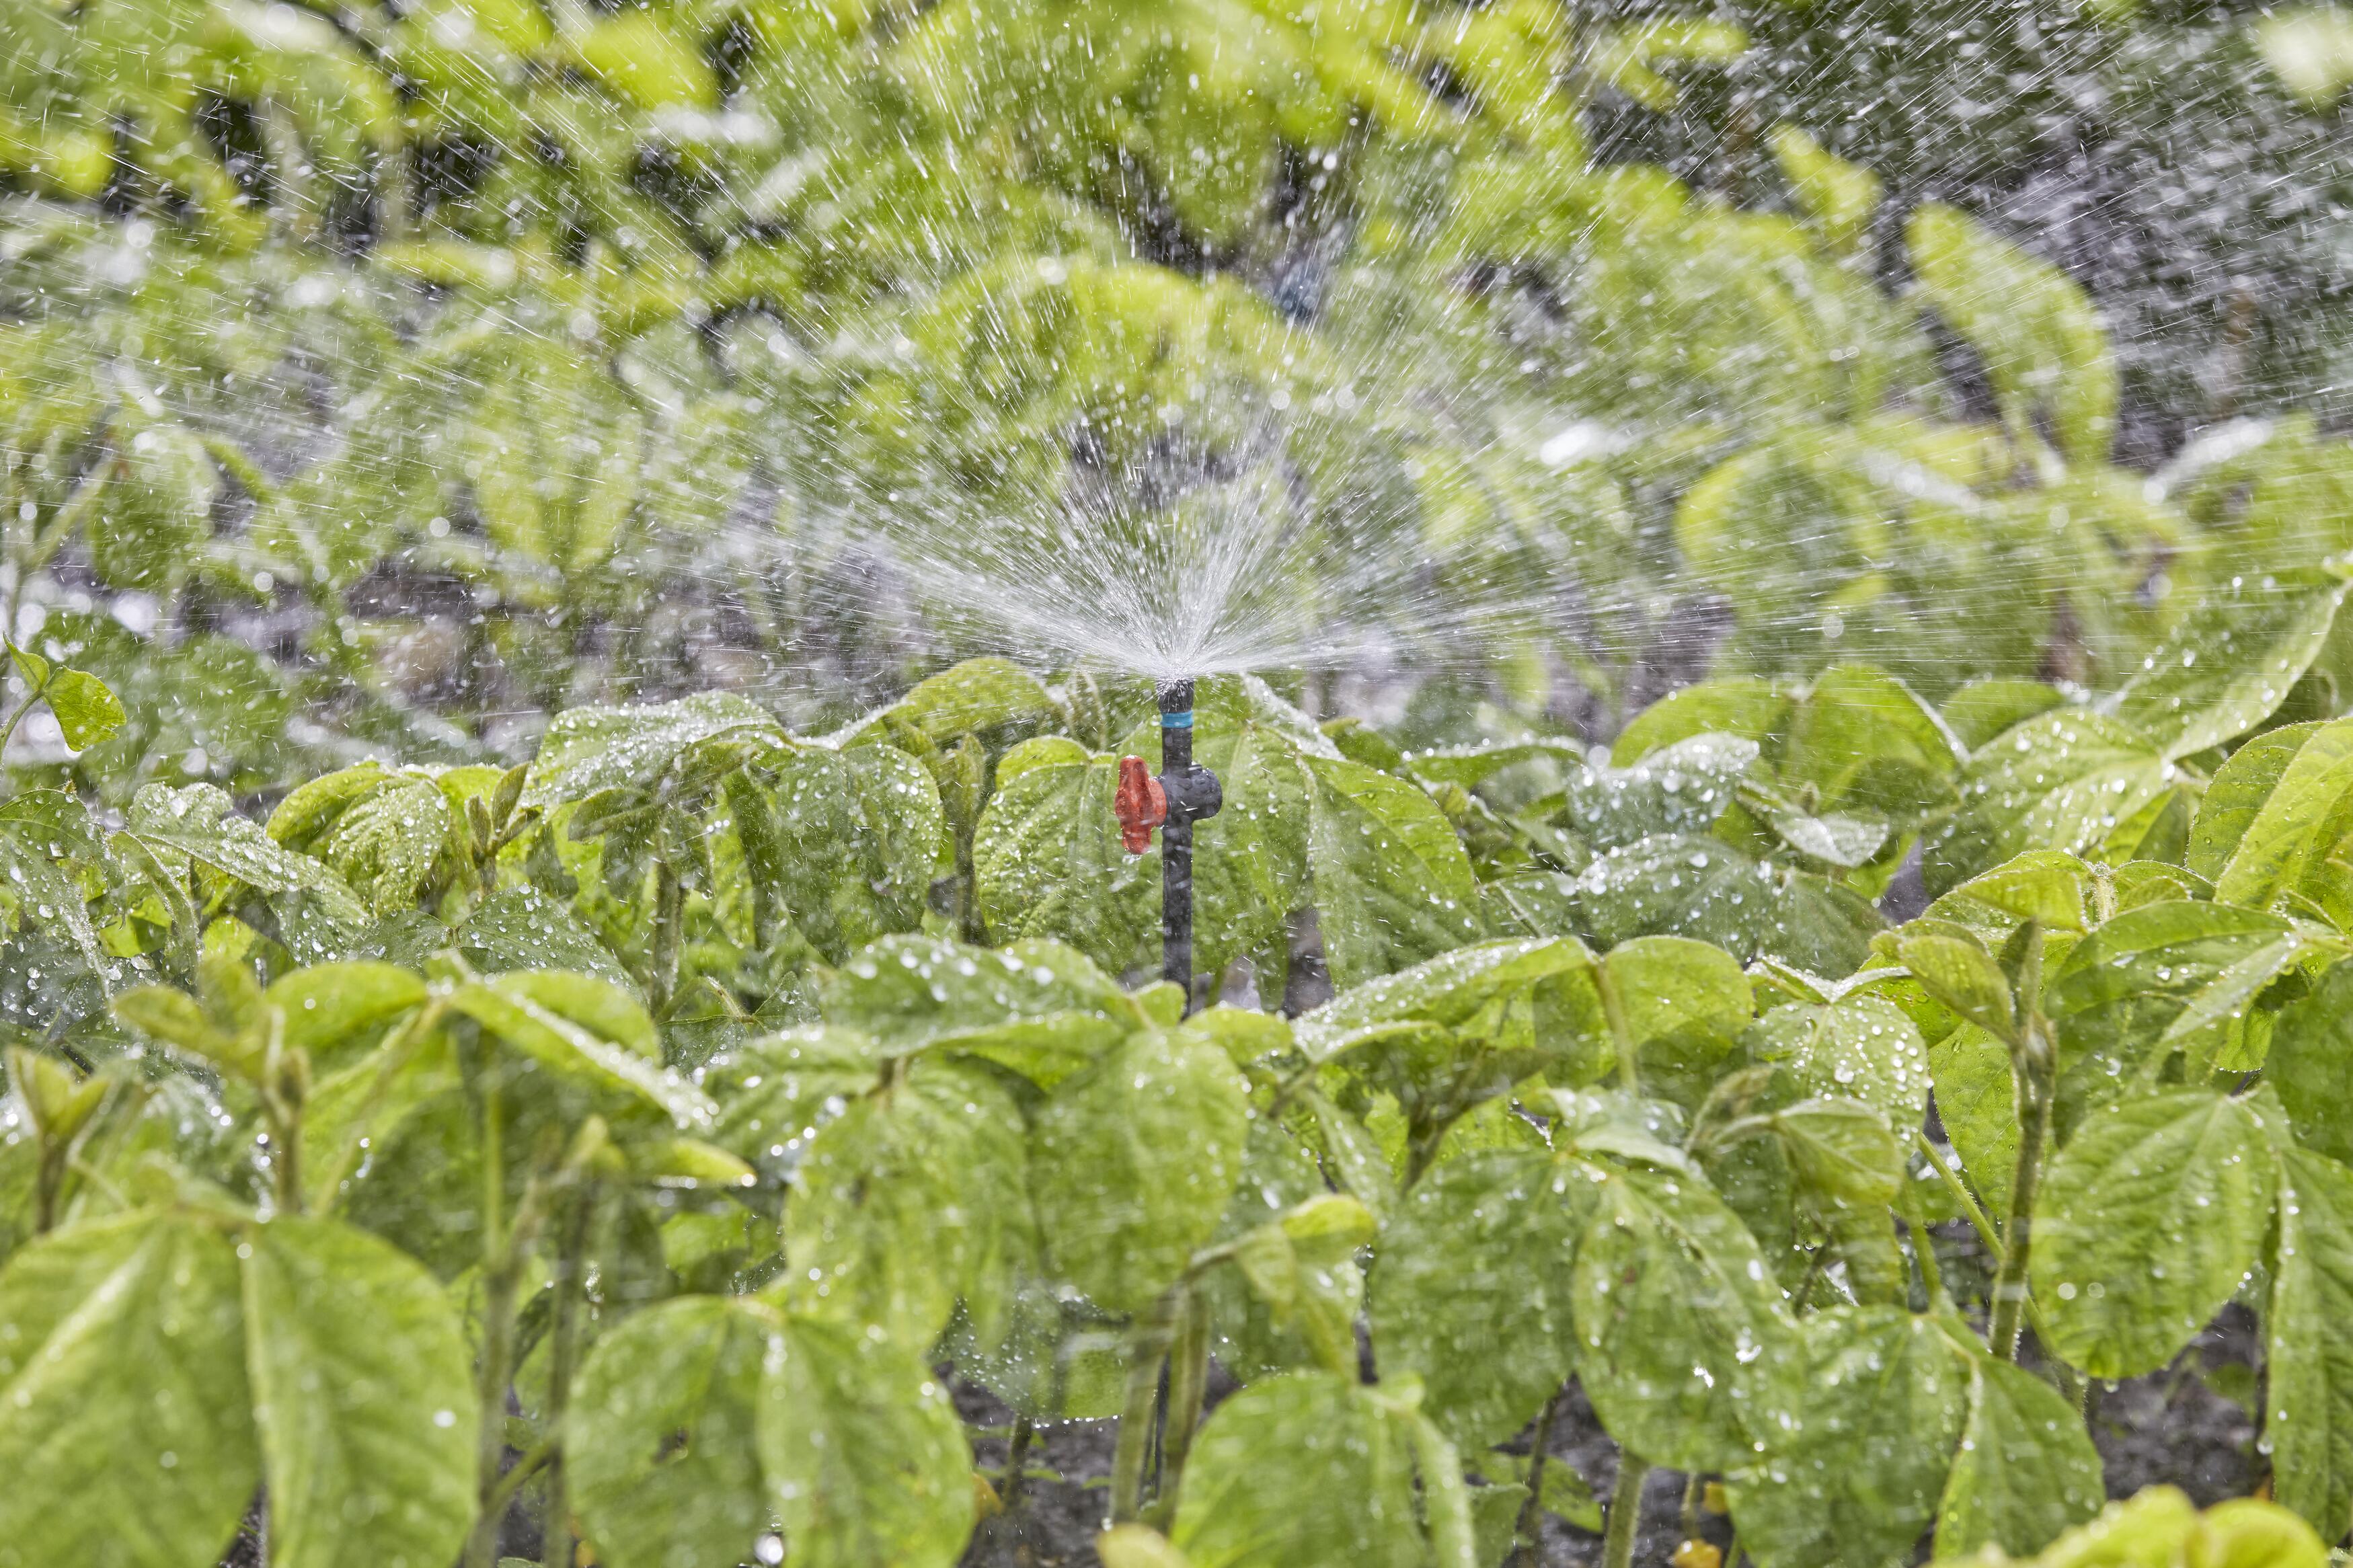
(56, 1154)
(1147, 1347)
(2034, 1074)
(1625, 1511)
(2065, 1375)
(1016, 1463)
(18, 718)
(1189, 1385)
(1924, 1248)
(1630, 1077)
(670, 915)
(495, 1368)
(1524, 1530)
(562, 1360)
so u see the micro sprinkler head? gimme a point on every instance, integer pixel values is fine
(1184, 793)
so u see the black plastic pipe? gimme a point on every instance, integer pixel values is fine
(1193, 794)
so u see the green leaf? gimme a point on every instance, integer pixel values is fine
(2296, 825)
(1391, 882)
(865, 1461)
(2164, 977)
(1304, 1467)
(157, 514)
(122, 1388)
(2026, 1469)
(2067, 780)
(1857, 1477)
(1957, 971)
(1132, 1164)
(1749, 709)
(587, 750)
(910, 1200)
(87, 710)
(2310, 48)
(1684, 1005)
(1673, 1308)
(661, 1446)
(1838, 197)
(2236, 794)
(2147, 1222)
(1448, 990)
(363, 1389)
(1984, 709)
(2307, 1362)
(1708, 891)
(858, 832)
(1976, 1101)
(1250, 861)
(2230, 662)
(1842, 1150)
(1681, 787)
(2311, 1064)
(994, 698)
(1039, 1007)
(1859, 1048)
(1469, 1289)
(30, 668)
(526, 929)
(1860, 740)
(2046, 884)
(1047, 862)
(1301, 1270)
(333, 1009)
(383, 832)
(196, 824)
(584, 1029)
(2032, 325)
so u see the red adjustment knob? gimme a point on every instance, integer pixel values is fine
(1141, 804)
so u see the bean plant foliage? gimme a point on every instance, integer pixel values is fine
(542, 1001)
(651, 1131)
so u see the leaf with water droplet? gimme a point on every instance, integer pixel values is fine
(2147, 1221)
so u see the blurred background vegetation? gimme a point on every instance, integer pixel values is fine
(384, 377)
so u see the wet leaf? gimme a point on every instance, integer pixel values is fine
(2026, 1469)
(362, 1390)
(1469, 1289)
(1133, 1162)
(2149, 1219)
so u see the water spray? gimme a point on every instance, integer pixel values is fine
(1184, 793)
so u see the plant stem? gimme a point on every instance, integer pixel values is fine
(1188, 1384)
(563, 1358)
(50, 1183)
(2065, 1375)
(669, 912)
(1524, 1553)
(2034, 1079)
(1923, 1247)
(2034, 1095)
(519, 1473)
(1630, 1077)
(1625, 1511)
(492, 1371)
(16, 718)
(1961, 1193)
(1016, 1463)
(1148, 1346)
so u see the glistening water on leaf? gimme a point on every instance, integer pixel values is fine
(1719, 625)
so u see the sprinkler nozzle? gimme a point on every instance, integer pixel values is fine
(1141, 804)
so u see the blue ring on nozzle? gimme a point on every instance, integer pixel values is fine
(1177, 721)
